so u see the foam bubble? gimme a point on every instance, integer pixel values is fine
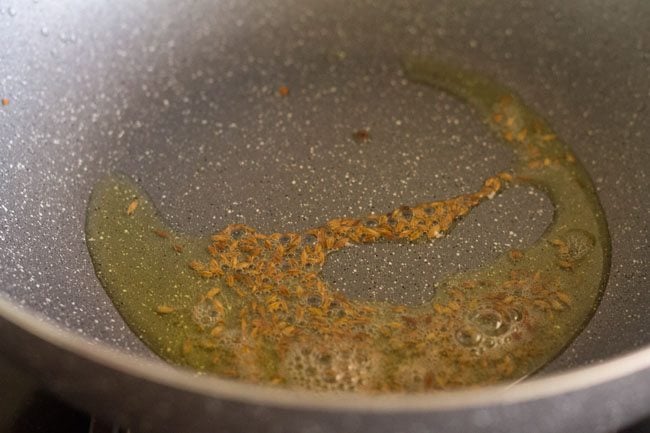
(579, 243)
(468, 336)
(205, 315)
(341, 368)
(490, 322)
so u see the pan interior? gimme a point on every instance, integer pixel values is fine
(195, 117)
(263, 312)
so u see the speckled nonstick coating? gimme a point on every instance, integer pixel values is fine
(182, 96)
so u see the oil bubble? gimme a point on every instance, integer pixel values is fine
(490, 342)
(490, 322)
(371, 223)
(477, 351)
(515, 314)
(468, 336)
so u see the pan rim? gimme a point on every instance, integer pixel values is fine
(170, 376)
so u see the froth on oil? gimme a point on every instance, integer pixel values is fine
(254, 306)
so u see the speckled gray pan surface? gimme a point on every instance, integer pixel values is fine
(182, 96)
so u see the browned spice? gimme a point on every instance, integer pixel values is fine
(515, 255)
(285, 300)
(164, 309)
(161, 233)
(132, 207)
(361, 135)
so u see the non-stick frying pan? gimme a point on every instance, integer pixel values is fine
(182, 97)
